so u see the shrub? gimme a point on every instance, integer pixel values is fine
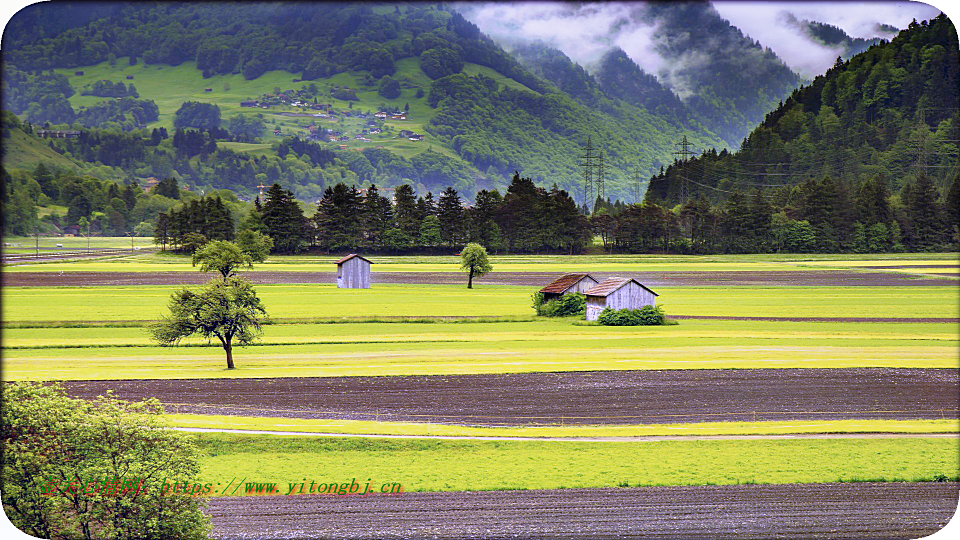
(645, 316)
(566, 305)
(99, 466)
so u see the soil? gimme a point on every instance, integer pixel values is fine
(572, 398)
(854, 510)
(828, 278)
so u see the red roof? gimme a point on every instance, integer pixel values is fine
(564, 282)
(609, 285)
(350, 256)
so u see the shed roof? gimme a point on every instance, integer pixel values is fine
(352, 255)
(564, 282)
(610, 285)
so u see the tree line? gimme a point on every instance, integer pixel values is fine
(822, 215)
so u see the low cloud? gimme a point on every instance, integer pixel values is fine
(770, 23)
(586, 31)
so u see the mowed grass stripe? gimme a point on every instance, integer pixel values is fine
(374, 427)
(444, 359)
(24, 304)
(554, 331)
(440, 465)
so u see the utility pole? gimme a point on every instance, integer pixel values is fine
(601, 173)
(636, 186)
(588, 165)
(684, 154)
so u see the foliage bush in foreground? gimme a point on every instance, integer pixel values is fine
(116, 455)
(645, 316)
(566, 305)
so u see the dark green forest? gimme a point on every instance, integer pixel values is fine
(870, 144)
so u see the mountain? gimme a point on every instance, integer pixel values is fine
(731, 80)
(359, 58)
(726, 80)
(888, 115)
(835, 37)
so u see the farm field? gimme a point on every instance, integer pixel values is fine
(850, 377)
(561, 399)
(854, 510)
(165, 262)
(425, 465)
(306, 301)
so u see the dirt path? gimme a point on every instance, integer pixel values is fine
(574, 398)
(841, 278)
(643, 438)
(827, 511)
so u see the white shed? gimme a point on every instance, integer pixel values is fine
(617, 293)
(353, 272)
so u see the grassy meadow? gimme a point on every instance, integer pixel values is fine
(424, 465)
(170, 86)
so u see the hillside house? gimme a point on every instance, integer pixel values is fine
(353, 272)
(416, 137)
(249, 103)
(406, 133)
(617, 293)
(56, 134)
(568, 283)
(129, 77)
(208, 89)
(380, 114)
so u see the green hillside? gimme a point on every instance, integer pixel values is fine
(195, 48)
(27, 151)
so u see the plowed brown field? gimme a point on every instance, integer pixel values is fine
(602, 397)
(867, 510)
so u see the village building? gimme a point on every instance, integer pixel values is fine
(353, 272)
(56, 134)
(617, 293)
(568, 283)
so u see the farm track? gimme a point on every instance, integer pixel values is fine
(808, 278)
(70, 255)
(625, 438)
(570, 398)
(848, 510)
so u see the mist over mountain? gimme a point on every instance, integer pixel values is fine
(728, 80)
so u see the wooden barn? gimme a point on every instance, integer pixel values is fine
(568, 283)
(353, 272)
(617, 293)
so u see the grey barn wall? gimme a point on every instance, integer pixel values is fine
(582, 285)
(353, 274)
(630, 296)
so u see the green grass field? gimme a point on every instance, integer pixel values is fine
(374, 427)
(74, 242)
(301, 350)
(327, 301)
(481, 465)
